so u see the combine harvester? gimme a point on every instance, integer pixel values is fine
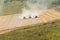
(13, 21)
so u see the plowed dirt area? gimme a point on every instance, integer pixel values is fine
(13, 21)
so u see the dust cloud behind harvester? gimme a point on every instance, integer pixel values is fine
(34, 8)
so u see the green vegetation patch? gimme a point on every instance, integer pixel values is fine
(48, 31)
(13, 7)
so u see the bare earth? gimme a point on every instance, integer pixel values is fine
(13, 21)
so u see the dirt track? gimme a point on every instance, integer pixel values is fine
(13, 21)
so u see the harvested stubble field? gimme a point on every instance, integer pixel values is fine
(13, 21)
(47, 28)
